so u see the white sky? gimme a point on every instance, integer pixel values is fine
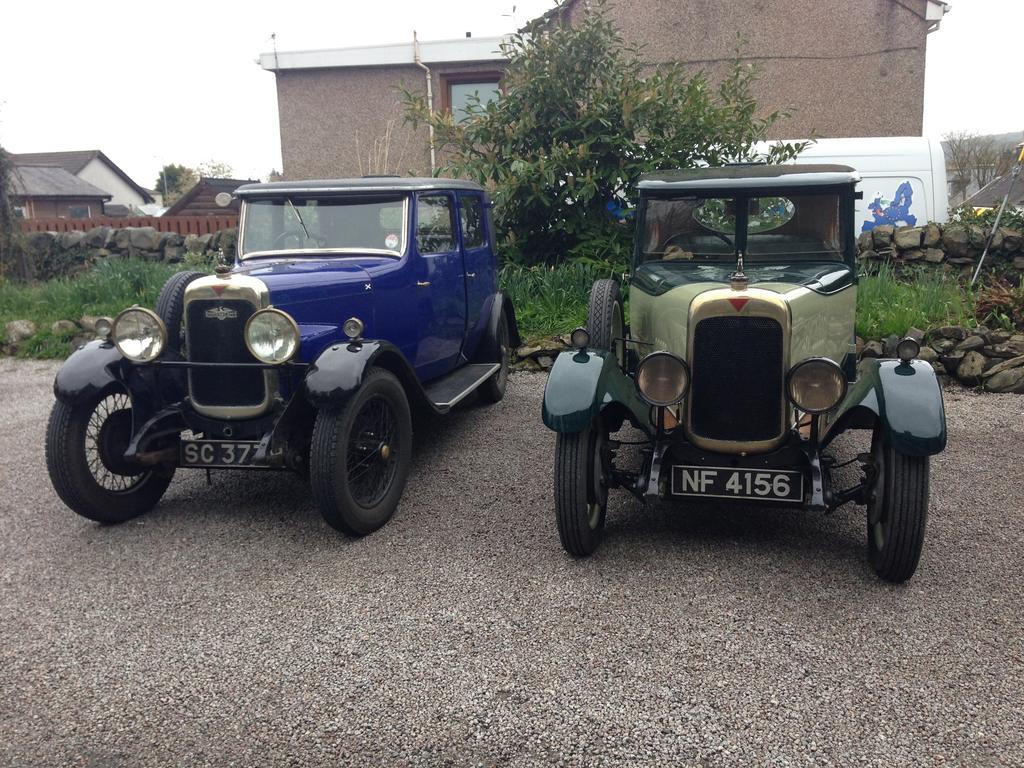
(178, 82)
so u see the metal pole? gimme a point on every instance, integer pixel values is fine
(995, 225)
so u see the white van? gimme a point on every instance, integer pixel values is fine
(903, 177)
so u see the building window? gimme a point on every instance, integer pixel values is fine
(20, 212)
(78, 211)
(458, 90)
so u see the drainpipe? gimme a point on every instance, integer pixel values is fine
(430, 96)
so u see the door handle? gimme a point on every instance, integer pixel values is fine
(471, 274)
(422, 283)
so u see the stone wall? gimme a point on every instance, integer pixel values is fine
(53, 254)
(954, 248)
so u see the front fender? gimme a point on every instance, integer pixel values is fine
(582, 385)
(340, 369)
(906, 401)
(88, 371)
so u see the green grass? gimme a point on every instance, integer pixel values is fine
(106, 289)
(887, 306)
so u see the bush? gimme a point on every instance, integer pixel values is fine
(578, 120)
(550, 300)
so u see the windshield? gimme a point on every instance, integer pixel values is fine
(334, 224)
(797, 227)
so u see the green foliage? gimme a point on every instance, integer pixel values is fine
(174, 181)
(1013, 218)
(888, 306)
(550, 300)
(11, 239)
(578, 120)
(1000, 305)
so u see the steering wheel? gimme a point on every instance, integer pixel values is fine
(719, 235)
(281, 241)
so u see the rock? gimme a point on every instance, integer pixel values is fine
(915, 254)
(96, 254)
(98, 237)
(999, 337)
(948, 332)
(859, 347)
(934, 255)
(1011, 239)
(1018, 262)
(1006, 381)
(881, 236)
(144, 238)
(906, 238)
(17, 331)
(971, 367)
(960, 261)
(873, 349)
(971, 343)
(979, 237)
(864, 241)
(121, 239)
(943, 345)
(72, 239)
(88, 323)
(204, 242)
(931, 236)
(928, 354)
(63, 327)
(1007, 350)
(1006, 365)
(546, 361)
(192, 244)
(916, 334)
(526, 351)
(951, 360)
(173, 253)
(889, 345)
(939, 368)
(956, 241)
(81, 340)
(869, 254)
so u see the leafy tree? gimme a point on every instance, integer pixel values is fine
(12, 255)
(211, 169)
(174, 181)
(275, 175)
(578, 120)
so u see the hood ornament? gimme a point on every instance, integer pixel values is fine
(739, 281)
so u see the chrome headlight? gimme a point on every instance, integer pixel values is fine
(908, 349)
(139, 334)
(816, 385)
(662, 378)
(272, 336)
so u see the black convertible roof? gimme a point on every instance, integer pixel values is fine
(748, 176)
(364, 184)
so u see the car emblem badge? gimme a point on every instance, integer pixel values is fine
(219, 289)
(738, 304)
(220, 313)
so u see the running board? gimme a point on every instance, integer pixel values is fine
(449, 390)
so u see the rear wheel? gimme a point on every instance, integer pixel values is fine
(605, 321)
(85, 447)
(582, 467)
(170, 306)
(361, 455)
(493, 390)
(897, 511)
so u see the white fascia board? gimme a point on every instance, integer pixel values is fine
(431, 52)
(936, 10)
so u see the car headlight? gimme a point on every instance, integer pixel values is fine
(662, 378)
(816, 385)
(139, 334)
(272, 336)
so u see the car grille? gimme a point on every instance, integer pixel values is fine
(736, 392)
(216, 334)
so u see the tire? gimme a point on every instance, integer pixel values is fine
(897, 512)
(581, 489)
(344, 439)
(170, 306)
(605, 321)
(493, 390)
(84, 445)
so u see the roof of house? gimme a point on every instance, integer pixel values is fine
(74, 162)
(51, 181)
(749, 176)
(199, 201)
(461, 49)
(992, 194)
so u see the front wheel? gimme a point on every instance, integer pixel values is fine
(897, 511)
(361, 455)
(582, 468)
(85, 447)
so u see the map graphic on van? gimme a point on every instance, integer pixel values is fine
(895, 211)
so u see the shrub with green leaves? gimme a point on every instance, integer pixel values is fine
(579, 118)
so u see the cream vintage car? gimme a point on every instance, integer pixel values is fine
(739, 365)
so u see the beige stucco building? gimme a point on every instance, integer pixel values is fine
(840, 67)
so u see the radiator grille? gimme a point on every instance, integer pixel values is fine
(737, 379)
(216, 334)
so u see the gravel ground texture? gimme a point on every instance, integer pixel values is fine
(232, 626)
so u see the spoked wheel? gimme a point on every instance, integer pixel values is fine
(493, 390)
(582, 470)
(897, 511)
(361, 454)
(85, 447)
(605, 321)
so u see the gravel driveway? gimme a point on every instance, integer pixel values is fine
(231, 626)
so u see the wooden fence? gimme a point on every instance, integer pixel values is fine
(183, 225)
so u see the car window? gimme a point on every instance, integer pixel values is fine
(681, 229)
(808, 228)
(435, 227)
(471, 216)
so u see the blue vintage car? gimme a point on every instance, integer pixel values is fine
(350, 303)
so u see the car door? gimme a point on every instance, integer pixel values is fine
(478, 259)
(440, 292)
